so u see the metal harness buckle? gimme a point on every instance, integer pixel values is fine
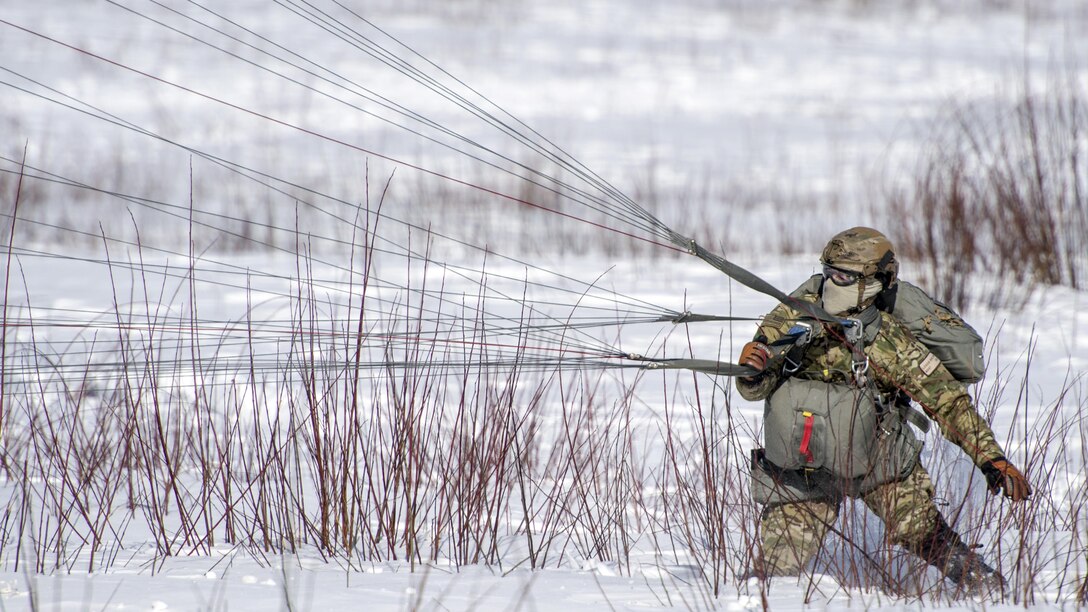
(801, 333)
(854, 330)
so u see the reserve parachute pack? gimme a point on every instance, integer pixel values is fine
(941, 329)
(824, 439)
(811, 424)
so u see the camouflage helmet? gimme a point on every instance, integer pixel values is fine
(864, 250)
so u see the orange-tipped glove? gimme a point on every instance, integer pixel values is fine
(1003, 476)
(755, 355)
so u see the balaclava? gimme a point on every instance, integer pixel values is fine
(847, 300)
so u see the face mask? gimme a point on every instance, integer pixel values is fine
(840, 300)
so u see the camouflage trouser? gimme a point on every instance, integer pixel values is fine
(793, 532)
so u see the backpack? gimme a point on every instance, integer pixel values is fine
(940, 328)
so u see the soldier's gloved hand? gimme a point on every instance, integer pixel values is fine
(1003, 476)
(755, 355)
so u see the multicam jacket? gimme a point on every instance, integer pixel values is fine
(897, 363)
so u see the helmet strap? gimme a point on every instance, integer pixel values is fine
(861, 290)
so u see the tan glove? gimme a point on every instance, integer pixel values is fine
(1003, 476)
(755, 355)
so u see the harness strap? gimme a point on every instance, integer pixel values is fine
(910, 415)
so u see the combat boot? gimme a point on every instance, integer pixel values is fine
(944, 550)
(964, 567)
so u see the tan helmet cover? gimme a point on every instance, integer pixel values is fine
(864, 250)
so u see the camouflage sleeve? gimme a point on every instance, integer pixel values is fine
(907, 364)
(774, 326)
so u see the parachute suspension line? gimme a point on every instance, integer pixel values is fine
(242, 170)
(648, 222)
(513, 327)
(675, 238)
(369, 46)
(619, 206)
(545, 333)
(633, 213)
(649, 312)
(308, 131)
(652, 223)
(176, 333)
(335, 141)
(235, 168)
(594, 202)
(556, 153)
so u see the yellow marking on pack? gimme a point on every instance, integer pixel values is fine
(806, 414)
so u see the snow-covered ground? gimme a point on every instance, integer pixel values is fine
(790, 102)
